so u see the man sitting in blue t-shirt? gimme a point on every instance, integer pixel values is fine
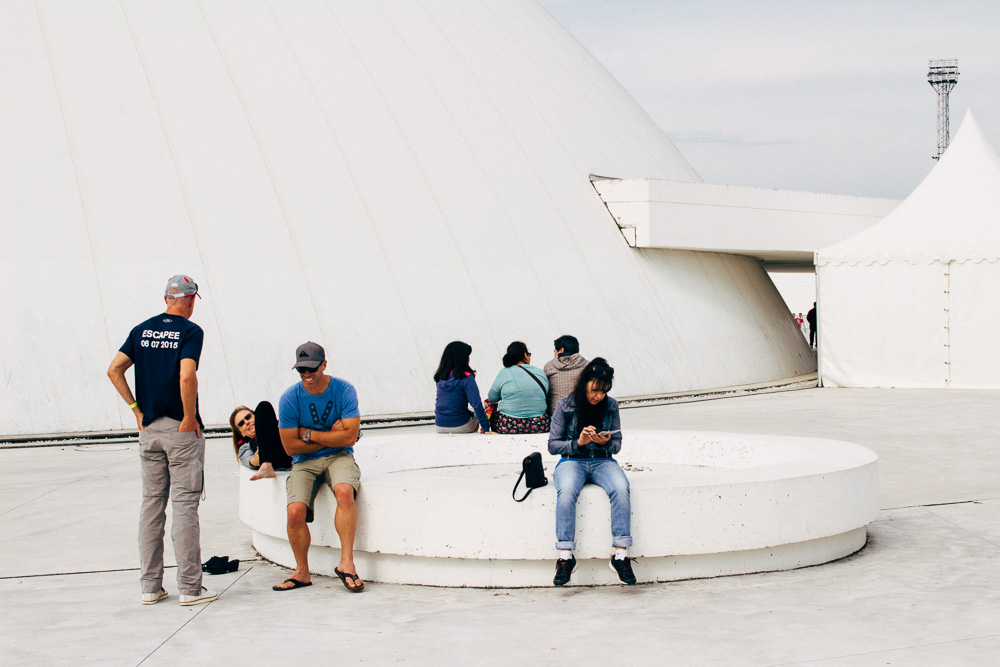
(319, 420)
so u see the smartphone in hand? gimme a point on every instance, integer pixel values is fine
(617, 430)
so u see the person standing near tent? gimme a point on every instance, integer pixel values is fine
(813, 331)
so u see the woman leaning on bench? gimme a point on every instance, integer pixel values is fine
(256, 440)
(586, 431)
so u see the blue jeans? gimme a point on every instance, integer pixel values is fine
(570, 476)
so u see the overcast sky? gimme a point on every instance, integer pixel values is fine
(827, 96)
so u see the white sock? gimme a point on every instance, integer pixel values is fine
(621, 553)
(565, 554)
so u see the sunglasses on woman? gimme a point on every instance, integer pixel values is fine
(243, 421)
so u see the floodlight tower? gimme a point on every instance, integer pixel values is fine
(943, 76)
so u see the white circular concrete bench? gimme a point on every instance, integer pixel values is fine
(437, 510)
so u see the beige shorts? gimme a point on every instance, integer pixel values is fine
(306, 477)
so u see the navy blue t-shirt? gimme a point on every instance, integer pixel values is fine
(156, 347)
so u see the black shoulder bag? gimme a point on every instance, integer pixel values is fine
(533, 475)
(535, 378)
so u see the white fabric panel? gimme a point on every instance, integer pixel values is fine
(974, 324)
(381, 177)
(883, 326)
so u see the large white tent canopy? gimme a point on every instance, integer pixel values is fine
(381, 177)
(914, 301)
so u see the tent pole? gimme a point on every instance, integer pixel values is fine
(947, 323)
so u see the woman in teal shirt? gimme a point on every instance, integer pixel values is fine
(522, 391)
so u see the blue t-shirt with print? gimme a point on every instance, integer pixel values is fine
(298, 408)
(156, 347)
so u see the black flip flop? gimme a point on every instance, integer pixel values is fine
(298, 584)
(344, 576)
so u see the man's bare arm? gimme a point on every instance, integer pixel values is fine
(295, 445)
(189, 396)
(345, 436)
(116, 373)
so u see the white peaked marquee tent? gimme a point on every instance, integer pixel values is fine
(381, 177)
(914, 301)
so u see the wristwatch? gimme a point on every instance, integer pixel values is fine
(308, 435)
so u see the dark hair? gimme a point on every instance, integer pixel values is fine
(454, 359)
(568, 344)
(237, 436)
(515, 354)
(603, 377)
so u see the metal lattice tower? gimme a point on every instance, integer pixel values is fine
(943, 76)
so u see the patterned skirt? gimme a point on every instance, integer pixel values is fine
(508, 424)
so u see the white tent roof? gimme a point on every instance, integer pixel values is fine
(953, 215)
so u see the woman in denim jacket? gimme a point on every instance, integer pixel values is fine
(586, 431)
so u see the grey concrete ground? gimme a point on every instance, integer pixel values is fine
(925, 591)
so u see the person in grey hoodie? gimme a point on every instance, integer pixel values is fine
(456, 391)
(564, 369)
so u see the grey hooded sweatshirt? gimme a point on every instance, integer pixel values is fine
(563, 373)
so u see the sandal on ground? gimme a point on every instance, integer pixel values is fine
(296, 584)
(358, 584)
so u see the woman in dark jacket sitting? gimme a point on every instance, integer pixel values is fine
(456, 391)
(586, 431)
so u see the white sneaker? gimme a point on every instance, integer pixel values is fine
(153, 598)
(205, 596)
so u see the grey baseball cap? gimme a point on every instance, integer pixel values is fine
(309, 355)
(183, 283)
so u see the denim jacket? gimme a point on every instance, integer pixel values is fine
(564, 433)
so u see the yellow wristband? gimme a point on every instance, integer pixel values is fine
(132, 407)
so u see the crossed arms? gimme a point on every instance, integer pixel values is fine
(343, 433)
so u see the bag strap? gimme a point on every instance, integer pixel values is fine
(535, 378)
(513, 494)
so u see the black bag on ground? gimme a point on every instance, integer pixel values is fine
(532, 473)
(220, 565)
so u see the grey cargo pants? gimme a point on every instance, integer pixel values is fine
(173, 465)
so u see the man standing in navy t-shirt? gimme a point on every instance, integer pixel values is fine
(319, 420)
(165, 350)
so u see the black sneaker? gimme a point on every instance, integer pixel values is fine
(624, 569)
(564, 569)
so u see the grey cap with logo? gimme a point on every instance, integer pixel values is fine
(309, 355)
(182, 285)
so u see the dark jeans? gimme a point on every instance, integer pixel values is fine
(268, 439)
